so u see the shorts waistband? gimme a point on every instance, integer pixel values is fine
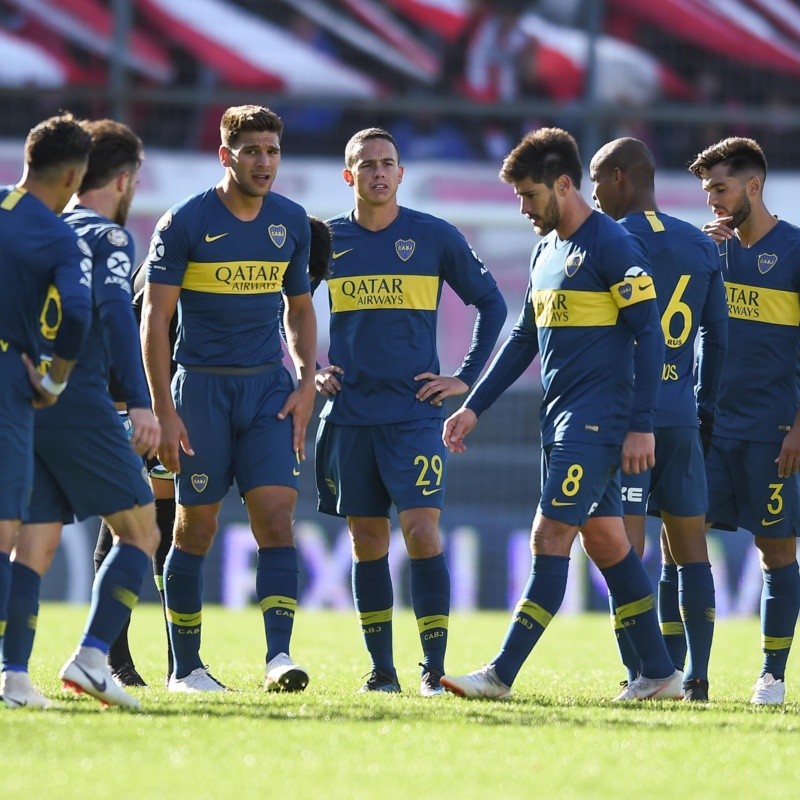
(261, 369)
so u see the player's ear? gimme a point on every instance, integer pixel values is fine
(224, 156)
(348, 176)
(400, 171)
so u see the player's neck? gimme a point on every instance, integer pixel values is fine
(573, 214)
(52, 196)
(243, 206)
(757, 225)
(376, 217)
(98, 200)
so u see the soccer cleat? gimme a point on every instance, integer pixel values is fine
(198, 680)
(669, 688)
(768, 691)
(430, 682)
(126, 675)
(381, 681)
(86, 671)
(482, 682)
(283, 675)
(18, 692)
(696, 690)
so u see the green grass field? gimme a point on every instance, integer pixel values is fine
(559, 737)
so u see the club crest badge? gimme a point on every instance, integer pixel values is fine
(626, 290)
(574, 263)
(199, 482)
(766, 261)
(278, 235)
(405, 248)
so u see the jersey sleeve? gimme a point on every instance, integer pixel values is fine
(170, 244)
(73, 280)
(113, 290)
(295, 279)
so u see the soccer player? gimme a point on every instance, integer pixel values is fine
(224, 257)
(379, 441)
(752, 464)
(589, 298)
(84, 464)
(691, 298)
(37, 251)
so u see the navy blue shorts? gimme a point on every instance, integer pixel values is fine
(677, 483)
(235, 433)
(86, 472)
(16, 436)
(744, 490)
(362, 470)
(579, 481)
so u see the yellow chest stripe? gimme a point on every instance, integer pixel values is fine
(757, 304)
(234, 277)
(369, 292)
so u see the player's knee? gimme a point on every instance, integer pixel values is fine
(423, 541)
(273, 527)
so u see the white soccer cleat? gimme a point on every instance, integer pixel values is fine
(482, 682)
(198, 680)
(86, 671)
(283, 675)
(768, 691)
(669, 688)
(17, 691)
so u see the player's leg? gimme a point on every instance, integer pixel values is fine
(36, 546)
(120, 660)
(349, 484)
(669, 610)
(411, 457)
(573, 481)
(267, 472)
(8, 537)
(163, 486)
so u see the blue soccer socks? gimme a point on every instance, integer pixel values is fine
(23, 612)
(430, 598)
(183, 591)
(697, 608)
(780, 604)
(276, 590)
(669, 615)
(374, 601)
(540, 602)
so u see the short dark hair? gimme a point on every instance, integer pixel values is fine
(320, 253)
(238, 119)
(739, 154)
(542, 156)
(56, 142)
(115, 147)
(358, 139)
(630, 156)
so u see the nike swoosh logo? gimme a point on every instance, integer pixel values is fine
(558, 503)
(285, 603)
(334, 256)
(432, 622)
(295, 472)
(101, 687)
(184, 620)
(210, 238)
(426, 492)
(771, 522)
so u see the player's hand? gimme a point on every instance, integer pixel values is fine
(43, 398)
(438, 387)
(457, 427)
(788, 459)
(146, 432)
(326, 382)
(719, 230)
(300, 404)
(638, 452)
(174, 438)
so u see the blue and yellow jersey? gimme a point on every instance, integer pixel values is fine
(41, 260)
(113, 337)
(384, 289)
(588, 298)
(685, 266)
(759, 397)
(231, 274)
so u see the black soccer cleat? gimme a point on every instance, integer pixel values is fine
(696, 690)
(127, 675)
(381, 681)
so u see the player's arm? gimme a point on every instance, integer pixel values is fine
(514, 357)
(73, 280)
(158, 309)
(488, 324)
(711, 352)
(300, 323)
